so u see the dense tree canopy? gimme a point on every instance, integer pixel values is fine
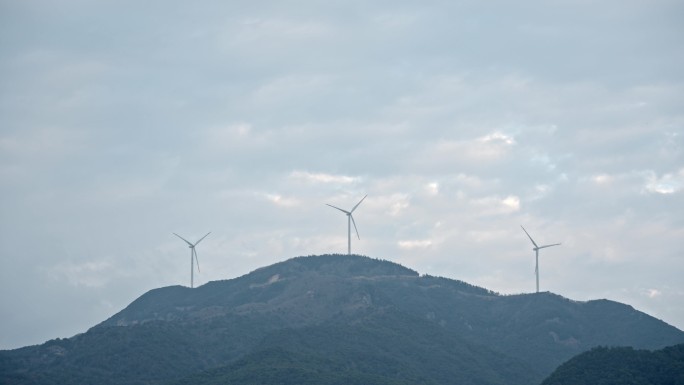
(622, 365)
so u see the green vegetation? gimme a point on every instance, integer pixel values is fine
(279, 367)
(388, 348)
(622, 365)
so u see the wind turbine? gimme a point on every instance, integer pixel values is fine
(350, 220)
(536, 255)
(193, 255)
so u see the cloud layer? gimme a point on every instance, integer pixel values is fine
(122, 122)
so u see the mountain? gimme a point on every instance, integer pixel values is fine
(335, 319)
(622, 365)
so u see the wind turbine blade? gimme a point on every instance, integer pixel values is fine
(555, 244)
(357, 205)
(201, 239)
(528, 236)
(186, 241)
(196, 259)
(357, 231)
(335, 207)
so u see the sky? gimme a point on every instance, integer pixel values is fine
(122, 122)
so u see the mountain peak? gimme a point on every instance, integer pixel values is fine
(341, 265)
(284, 284)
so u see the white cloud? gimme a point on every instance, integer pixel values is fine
(512, 202)
(645, 181)
(279, 200)
(498, 138)
(323, 177)
(489, 147)
(667, 184)
(601, 179)
(396, 203)
(653, 293)
(494, 205)
(432, 188)
(415, 244)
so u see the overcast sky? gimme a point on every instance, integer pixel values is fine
(124, 121)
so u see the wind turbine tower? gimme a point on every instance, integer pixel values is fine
(193, 256)
(350, 220)
(536, 254)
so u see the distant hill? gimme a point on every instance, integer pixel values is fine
(622, 365)
(335, 319)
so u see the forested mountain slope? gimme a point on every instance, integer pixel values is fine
(622, 365)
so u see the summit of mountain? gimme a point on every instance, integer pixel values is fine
(319, 283)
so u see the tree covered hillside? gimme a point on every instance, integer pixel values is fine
(622, 365)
